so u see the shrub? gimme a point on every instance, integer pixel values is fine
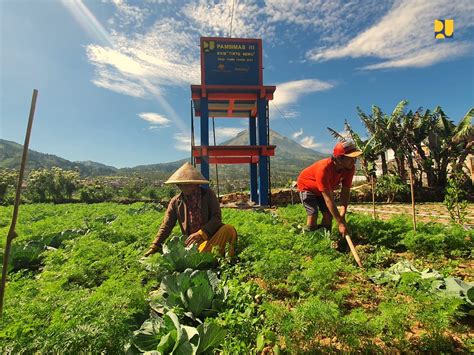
(390, 187)
(96, 192)
(454, 199)
(55, 185)
(8, 179)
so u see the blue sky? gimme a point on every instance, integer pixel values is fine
(113, 75)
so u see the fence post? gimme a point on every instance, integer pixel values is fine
(373, 196)
(412, 199)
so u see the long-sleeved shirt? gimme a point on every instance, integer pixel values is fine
(177, 211)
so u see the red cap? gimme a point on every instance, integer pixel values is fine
(346, 148)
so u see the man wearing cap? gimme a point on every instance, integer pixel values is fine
(198, 212)
(317, 182)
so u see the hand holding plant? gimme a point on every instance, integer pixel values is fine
(194, 238)
(153, 249)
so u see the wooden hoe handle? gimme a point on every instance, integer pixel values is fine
(353, 251)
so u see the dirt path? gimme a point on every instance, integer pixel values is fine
(426, 212)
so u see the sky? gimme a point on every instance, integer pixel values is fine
(114, 75)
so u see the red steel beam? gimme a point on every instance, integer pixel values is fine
(230, 160)
(233, 151)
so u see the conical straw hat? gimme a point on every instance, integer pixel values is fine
(187, 174)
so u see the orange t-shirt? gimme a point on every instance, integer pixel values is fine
(322, 176)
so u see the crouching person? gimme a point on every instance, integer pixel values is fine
(198, 213)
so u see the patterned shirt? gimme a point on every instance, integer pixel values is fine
(193, 203)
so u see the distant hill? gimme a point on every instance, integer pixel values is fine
(290, 158)
(286, 150)
(158, 171)
(11, 152)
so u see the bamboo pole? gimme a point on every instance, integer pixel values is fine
(353, 250)
(412, 199)
(373, 196)
(12, 233)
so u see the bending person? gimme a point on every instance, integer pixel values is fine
(198, 212)
(317, 182)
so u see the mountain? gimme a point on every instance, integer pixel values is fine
(287, 149)
(158, 171)
(11, 152)
(290, 158)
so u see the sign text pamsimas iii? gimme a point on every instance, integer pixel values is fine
(230, 46)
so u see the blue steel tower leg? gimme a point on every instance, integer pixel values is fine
(253, 167)
(205, 135)
(263, 160)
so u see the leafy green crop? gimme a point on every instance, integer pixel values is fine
(168, 336)
(194, 291)
(181, 258)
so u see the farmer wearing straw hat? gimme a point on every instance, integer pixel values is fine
(198, 213)
(317, 182)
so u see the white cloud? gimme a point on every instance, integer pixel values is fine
(162, 57)
(404, 37)
(155, 119)
(426, 57)
(291, 113)
(113, 81)
(290, 92)
(213, 18)
(331, 21)
(308, 142)
(129, 15)
(296, 135)
(182, 142)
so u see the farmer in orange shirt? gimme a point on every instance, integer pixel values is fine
(317, 182)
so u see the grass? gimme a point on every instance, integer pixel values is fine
(76, 284)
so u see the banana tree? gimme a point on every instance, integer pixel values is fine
(419, 126)
(376, 126)
(388, 131)
(450, 144)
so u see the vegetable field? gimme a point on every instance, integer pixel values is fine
(78, 283)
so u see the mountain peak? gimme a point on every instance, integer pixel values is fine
(286, 147)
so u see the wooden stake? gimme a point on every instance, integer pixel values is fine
(373, 196)
(412, 199)
(12, 233)
(353, 251)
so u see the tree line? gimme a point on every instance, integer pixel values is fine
(57, 185)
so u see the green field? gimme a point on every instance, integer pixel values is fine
(77, 284)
